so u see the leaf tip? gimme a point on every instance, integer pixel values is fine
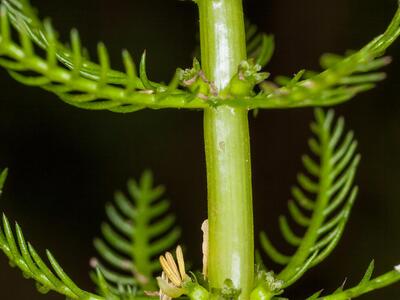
(74, 34)
(144, 54)
(3, 177)
(94, 263)
(49, 255)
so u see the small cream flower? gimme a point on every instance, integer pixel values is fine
(173, 276)
(397, 268)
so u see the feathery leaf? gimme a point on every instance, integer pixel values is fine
(88, 85)
(342, 78)
(140, 231)
(121, 292)
(366, 285)
(24, 256)
(327, 188)
(260, 46)
(69, 74)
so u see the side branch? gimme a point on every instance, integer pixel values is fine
(76, 80)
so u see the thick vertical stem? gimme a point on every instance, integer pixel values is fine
(231, 244)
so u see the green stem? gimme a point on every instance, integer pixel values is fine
(226, 133)
(377, 283)
(230, 215)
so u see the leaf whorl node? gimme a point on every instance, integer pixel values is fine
(196, 81)
(76, 80)
(267, 285)
(248, 76)
(228, 291)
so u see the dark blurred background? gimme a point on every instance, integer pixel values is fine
(65, 163)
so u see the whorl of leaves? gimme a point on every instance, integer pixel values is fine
(67, 71)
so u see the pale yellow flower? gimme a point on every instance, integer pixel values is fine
(173, 276)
